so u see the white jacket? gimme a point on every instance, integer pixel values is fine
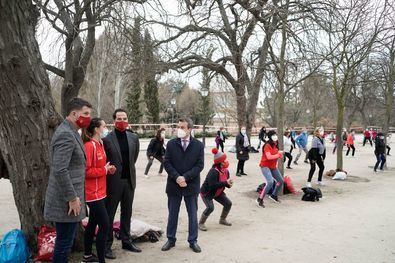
(287, 144)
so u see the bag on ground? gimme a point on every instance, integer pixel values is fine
(46, 243)
(311, 194)
(13, 247)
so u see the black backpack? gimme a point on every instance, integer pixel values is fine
(311, 194)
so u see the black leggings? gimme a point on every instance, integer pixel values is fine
(240, 166)
(289, 156)
(97, 216)
(367, 139)
(222, 199)
(350, 147)
(321, 167)
(149, 164)
(220, 143)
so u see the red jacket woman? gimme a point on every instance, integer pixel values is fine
(95, 178)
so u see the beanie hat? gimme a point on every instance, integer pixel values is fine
(219, 157)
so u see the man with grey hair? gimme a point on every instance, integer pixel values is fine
(184, 160)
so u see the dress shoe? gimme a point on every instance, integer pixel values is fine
(168, 246)
(109, 254)
(195, 247)
(131, 247)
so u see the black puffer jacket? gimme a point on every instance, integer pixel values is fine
(155, 148)
(240, 148)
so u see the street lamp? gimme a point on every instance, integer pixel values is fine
(204, 93)
(173, 104)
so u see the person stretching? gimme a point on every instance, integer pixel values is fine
(213, 189)
(268, 164)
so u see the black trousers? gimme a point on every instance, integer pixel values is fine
(173, 204)
(367, 139)
(240, 166)
(388, 149)
(149, 164)
(97, 217)
(289, 156)
(321, 167)
(222, 199)
(123, 196)
(220, 143)
(350, 147)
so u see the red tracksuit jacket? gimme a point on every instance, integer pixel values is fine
(95, 173)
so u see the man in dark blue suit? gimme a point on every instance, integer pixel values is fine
(184, 160)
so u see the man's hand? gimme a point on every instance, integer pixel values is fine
(151, 157)
(241, 152)
(75, 206)
(181, 181)
(112, 169)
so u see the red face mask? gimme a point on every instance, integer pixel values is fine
(83, 121)
(121, 125)
(225, 165)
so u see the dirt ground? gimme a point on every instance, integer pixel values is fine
(354, 222)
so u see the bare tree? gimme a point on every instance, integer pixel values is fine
(28, 117)
(352, 28)
(76, 22)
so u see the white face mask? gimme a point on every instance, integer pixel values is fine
(163, 135)
(104, 133)
(243, 131)
(321, 133)
(181, 133)
(274, 138)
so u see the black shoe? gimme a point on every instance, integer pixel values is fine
(168, 246)
(131, 247)
(243, 173)
(274, 198)
(195, 247)
(306, 161)
(259, 202)
(295, 162)
(90, 259)
(109, 254)
(289, 167)
(238, 174)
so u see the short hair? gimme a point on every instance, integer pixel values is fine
(187, 120)
(114, 115)
(76, 104)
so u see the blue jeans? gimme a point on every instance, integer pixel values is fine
(380, 158)
(271, 175)
(65, 235)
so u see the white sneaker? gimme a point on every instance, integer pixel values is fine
(146, 176)
(321, 183)
(308, 184)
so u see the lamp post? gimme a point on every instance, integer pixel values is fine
(173, 104)
(204, 93)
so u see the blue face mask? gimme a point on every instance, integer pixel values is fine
(104, 133)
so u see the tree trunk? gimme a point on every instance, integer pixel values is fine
(241, 106)
(28, 117)
(339, 128)
(389, 98)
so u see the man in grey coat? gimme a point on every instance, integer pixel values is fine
(122, 149)
(64, 200)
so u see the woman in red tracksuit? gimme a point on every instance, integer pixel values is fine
(97, 169)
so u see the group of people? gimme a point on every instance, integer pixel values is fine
(97, 169)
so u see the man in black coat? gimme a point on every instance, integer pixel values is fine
(122, 149)
(184, 160)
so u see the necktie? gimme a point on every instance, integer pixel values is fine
(184, 144)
